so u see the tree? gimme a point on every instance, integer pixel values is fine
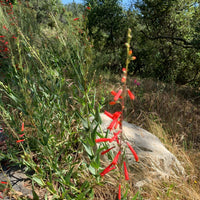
(107, 26)
(169, 32)
(106, 23)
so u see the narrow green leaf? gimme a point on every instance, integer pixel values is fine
(93, 134)
(68, 176)
(88, 149)
(35, 196)
(135, 197)
(97, 115)
(92, 169)
(39, 181)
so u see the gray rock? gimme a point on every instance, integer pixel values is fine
(155, 160)
(17, 179)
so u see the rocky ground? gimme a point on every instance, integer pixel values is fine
(13, 181)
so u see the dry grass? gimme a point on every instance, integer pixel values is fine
(186, 187)
(179, 114)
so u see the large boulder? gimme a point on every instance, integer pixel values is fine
(155, 161)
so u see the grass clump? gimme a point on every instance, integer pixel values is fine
(45, 86)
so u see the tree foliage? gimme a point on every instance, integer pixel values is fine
(169, 29)
(106, 23)
(107, 26)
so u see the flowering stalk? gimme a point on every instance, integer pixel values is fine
(116, 123)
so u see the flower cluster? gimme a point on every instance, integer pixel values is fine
(4, 49)
(3, 46)
(115, 126)
(22, 130)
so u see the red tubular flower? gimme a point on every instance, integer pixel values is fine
(4, 182)
(115, 136)
(117, 123)
(133, 58)
(110, 127)
(5, 28)
(124, 70)
(112, 103)
(22, 129)
(114, 162)
(108, 114)
(115, 117)
(133, 152)
(118, 95)
(76, 19)
(6, 49)
(21, 135)
(114, 93)
(107, 169)
(19, 141)
(119, 192)
(88, 7)
(126, 171)
(131, 95)
(1, 36)
(106, 151)
(123, 79)
(102, 140)
(117, 140)
(130, 52)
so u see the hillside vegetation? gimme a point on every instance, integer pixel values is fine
(58, 64)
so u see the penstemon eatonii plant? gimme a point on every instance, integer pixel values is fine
(116, 125)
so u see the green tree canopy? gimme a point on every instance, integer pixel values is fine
(106, 23)
(169, 29)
